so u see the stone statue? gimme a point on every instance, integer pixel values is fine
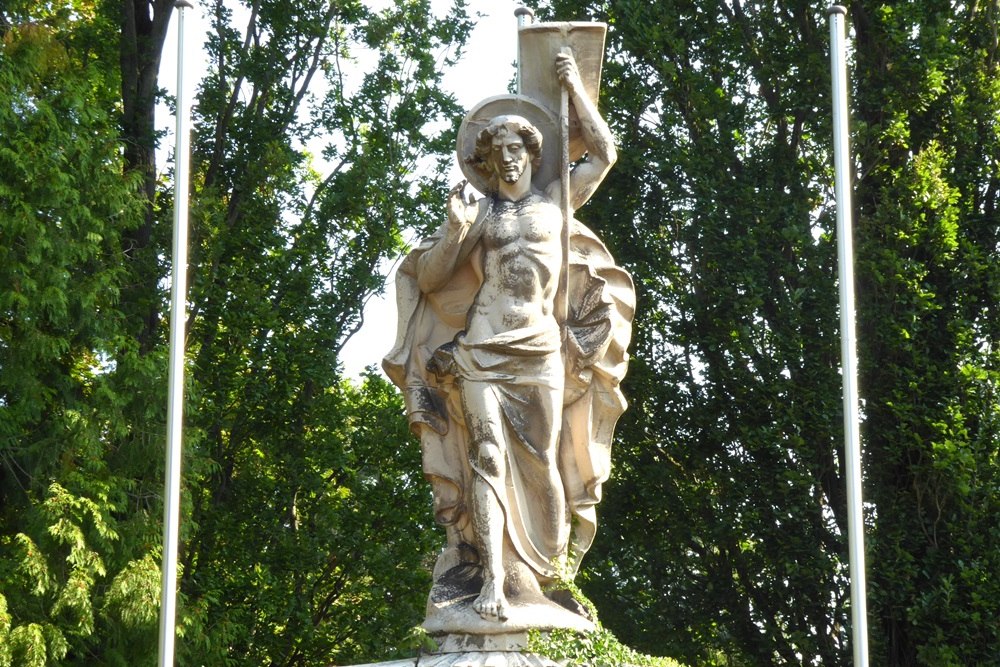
(514, 401)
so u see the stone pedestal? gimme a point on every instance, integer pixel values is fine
(460, 650)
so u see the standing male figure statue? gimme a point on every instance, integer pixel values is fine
(515, 408)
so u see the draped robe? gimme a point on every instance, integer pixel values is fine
(556, 459)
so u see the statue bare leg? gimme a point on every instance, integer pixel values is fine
(485, 422)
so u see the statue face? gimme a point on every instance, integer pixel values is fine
(510, 158)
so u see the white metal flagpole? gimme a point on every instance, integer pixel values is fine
(848, 345)
(175, 391)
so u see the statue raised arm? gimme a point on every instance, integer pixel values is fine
(594, 132)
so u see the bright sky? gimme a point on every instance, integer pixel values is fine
(484, 70)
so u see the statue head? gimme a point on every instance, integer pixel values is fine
(504, 150)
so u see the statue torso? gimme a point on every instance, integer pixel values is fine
(521, 261)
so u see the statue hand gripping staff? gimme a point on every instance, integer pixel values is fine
(515, 402)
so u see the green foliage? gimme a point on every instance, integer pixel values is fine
(133, 597)
(928, 308)
(335, 532)
(297, 484)
(595, 649)
(65, 205)
(724, 526)
(600, 647)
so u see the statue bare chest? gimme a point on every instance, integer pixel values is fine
(523, 227)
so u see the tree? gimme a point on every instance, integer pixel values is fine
(927, 103)
(65, 208)
(724, 531)
(296, 483)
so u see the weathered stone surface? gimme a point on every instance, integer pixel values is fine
(524, 612)
(470, 650)
(472, 659)
(461, 643)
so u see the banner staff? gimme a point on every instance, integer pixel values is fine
(848, 345)
(562, 307)
(524, 17)
(175, 391)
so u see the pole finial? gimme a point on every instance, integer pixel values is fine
(837, 9)
(524, 16)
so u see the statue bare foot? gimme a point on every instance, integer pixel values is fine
(491, 603)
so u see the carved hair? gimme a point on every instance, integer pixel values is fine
(480, 158)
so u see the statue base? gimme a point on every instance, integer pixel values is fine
(528, 610)
(465, 639)
(457, 584)
(460, 650)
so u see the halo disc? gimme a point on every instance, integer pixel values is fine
(510, 105)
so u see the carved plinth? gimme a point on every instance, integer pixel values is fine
(463, 650)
